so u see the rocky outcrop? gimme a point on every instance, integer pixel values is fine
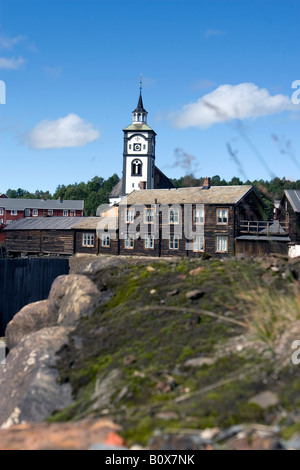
(29, 389)
(29, 384)
(71, 297)
(31, 318)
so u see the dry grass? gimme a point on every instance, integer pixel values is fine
(271, 313)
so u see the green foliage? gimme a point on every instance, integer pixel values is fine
(94, 192)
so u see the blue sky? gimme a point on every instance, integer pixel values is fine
(217, 81)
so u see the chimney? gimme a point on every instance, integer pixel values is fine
(59, 199)
(143, 184)
(206, 183)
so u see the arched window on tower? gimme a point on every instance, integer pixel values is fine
(136, 167)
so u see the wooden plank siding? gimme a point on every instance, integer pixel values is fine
(249, 208)
(112, 249)
(40, 241)
(27, 241)
(291, 218)
(57, 242)
(79, 248)
(260, 248)
(161, 246)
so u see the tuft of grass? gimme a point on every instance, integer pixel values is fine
(271, 312)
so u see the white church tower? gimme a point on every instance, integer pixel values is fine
(139, 152)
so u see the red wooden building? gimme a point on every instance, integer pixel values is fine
(12, 209)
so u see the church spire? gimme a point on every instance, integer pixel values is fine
(140, 114)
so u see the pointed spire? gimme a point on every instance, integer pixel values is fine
(140, 106)
(140, 114)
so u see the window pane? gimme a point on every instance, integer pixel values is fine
(176, 242)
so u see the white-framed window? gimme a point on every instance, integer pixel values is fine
(14, 212)
(65, 212)
(27, 212)
(88, 239)
(173, 242)
(35, 212)
(149, 216)
(222, 216)
(174, 216)
(149, 241)
(72, 213)
(106, 240)
(1, 221)
(199, 216)
(129, 216)
(198, 243)
(129, 241)
(1, 211)
(50, 212)
(222, 244)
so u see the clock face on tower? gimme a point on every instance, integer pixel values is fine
(137, 147)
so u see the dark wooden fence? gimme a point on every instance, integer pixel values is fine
(23, 281)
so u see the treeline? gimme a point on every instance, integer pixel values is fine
(269, 190)
(96, 191)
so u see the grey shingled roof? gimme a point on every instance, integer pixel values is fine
(117, 189)
(138, 126)
(213, 195)
(44, 223)
(22, 204)
(293, 195)
(100, 223)
(87, 223)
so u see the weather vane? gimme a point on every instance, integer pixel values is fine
(141, 85)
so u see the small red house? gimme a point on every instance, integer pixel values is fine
(12, 209)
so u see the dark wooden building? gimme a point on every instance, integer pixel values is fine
(289, 213)
(94, 235)
(48, 235)
(289, 216)
(186, 221)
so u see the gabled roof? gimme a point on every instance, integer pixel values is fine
(214, 195)
(44, 223)
(116, 190)
(293, 196)
(47, 204)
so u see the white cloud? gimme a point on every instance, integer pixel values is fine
(68, 131)
(229, 102)
(9, 43)
(11, 63)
